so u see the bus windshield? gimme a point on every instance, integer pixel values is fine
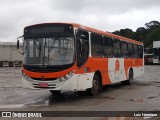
(55, 50)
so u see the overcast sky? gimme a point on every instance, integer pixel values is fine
(107, 15)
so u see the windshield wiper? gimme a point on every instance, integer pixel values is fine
(37, 46)
(50, 48)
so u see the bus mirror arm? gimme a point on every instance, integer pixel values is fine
(18, 45)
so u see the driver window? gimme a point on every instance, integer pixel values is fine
(82, 47)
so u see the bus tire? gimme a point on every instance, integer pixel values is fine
(95, 90)
(55, 92)
(130, 79)
(1, 64)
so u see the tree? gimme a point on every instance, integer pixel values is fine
(140, 34)
(147, 34)
(152, 36)
(152, 25)
(125, 33)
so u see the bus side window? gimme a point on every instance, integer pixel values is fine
(124, 48)
(140, 51)
(130, 50)
(82, 38)
(108, 47)
(136, 51)
(117, 49)
(96, 45)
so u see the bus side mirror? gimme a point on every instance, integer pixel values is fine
(20, 39)
(17, 44)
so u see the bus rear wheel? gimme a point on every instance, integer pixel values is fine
(130, 79)
(95, 90)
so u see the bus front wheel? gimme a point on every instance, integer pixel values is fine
(55, 92)
(94, 91)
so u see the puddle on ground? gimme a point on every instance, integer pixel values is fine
(50, 100)
(38, 103)
(151, 97)
(65, 98)
(144, 84)
(12, 106)
(156, 110)
(156, 81)
(107, 97)
(54, 99)
(33, 103)
(136, 100)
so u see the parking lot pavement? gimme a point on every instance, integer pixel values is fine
(143, 95)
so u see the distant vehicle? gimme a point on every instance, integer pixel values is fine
(148, 58)
(9, 55)
(156, 52)
(72, 57)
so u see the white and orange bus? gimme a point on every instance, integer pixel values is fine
(72, 57)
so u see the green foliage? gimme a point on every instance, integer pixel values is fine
(147, 34)
(125, 33)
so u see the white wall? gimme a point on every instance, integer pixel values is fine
(156, 44)
(8, 52)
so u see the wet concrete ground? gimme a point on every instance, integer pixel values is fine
(143, 95)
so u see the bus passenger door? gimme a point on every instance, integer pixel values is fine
(82, 40)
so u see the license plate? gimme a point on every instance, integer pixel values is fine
(43, 85)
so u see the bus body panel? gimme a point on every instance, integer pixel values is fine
(112, 70)
(78, 82)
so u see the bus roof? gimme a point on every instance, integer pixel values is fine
(108, 34)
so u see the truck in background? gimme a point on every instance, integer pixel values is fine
(9, 55)
(156, 52)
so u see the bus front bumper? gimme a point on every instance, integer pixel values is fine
(78, 82)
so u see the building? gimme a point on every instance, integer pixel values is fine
(9, 56)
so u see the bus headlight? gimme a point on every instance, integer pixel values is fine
(60, 79)
(25, 76)
(66, 77)
(71, 74)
